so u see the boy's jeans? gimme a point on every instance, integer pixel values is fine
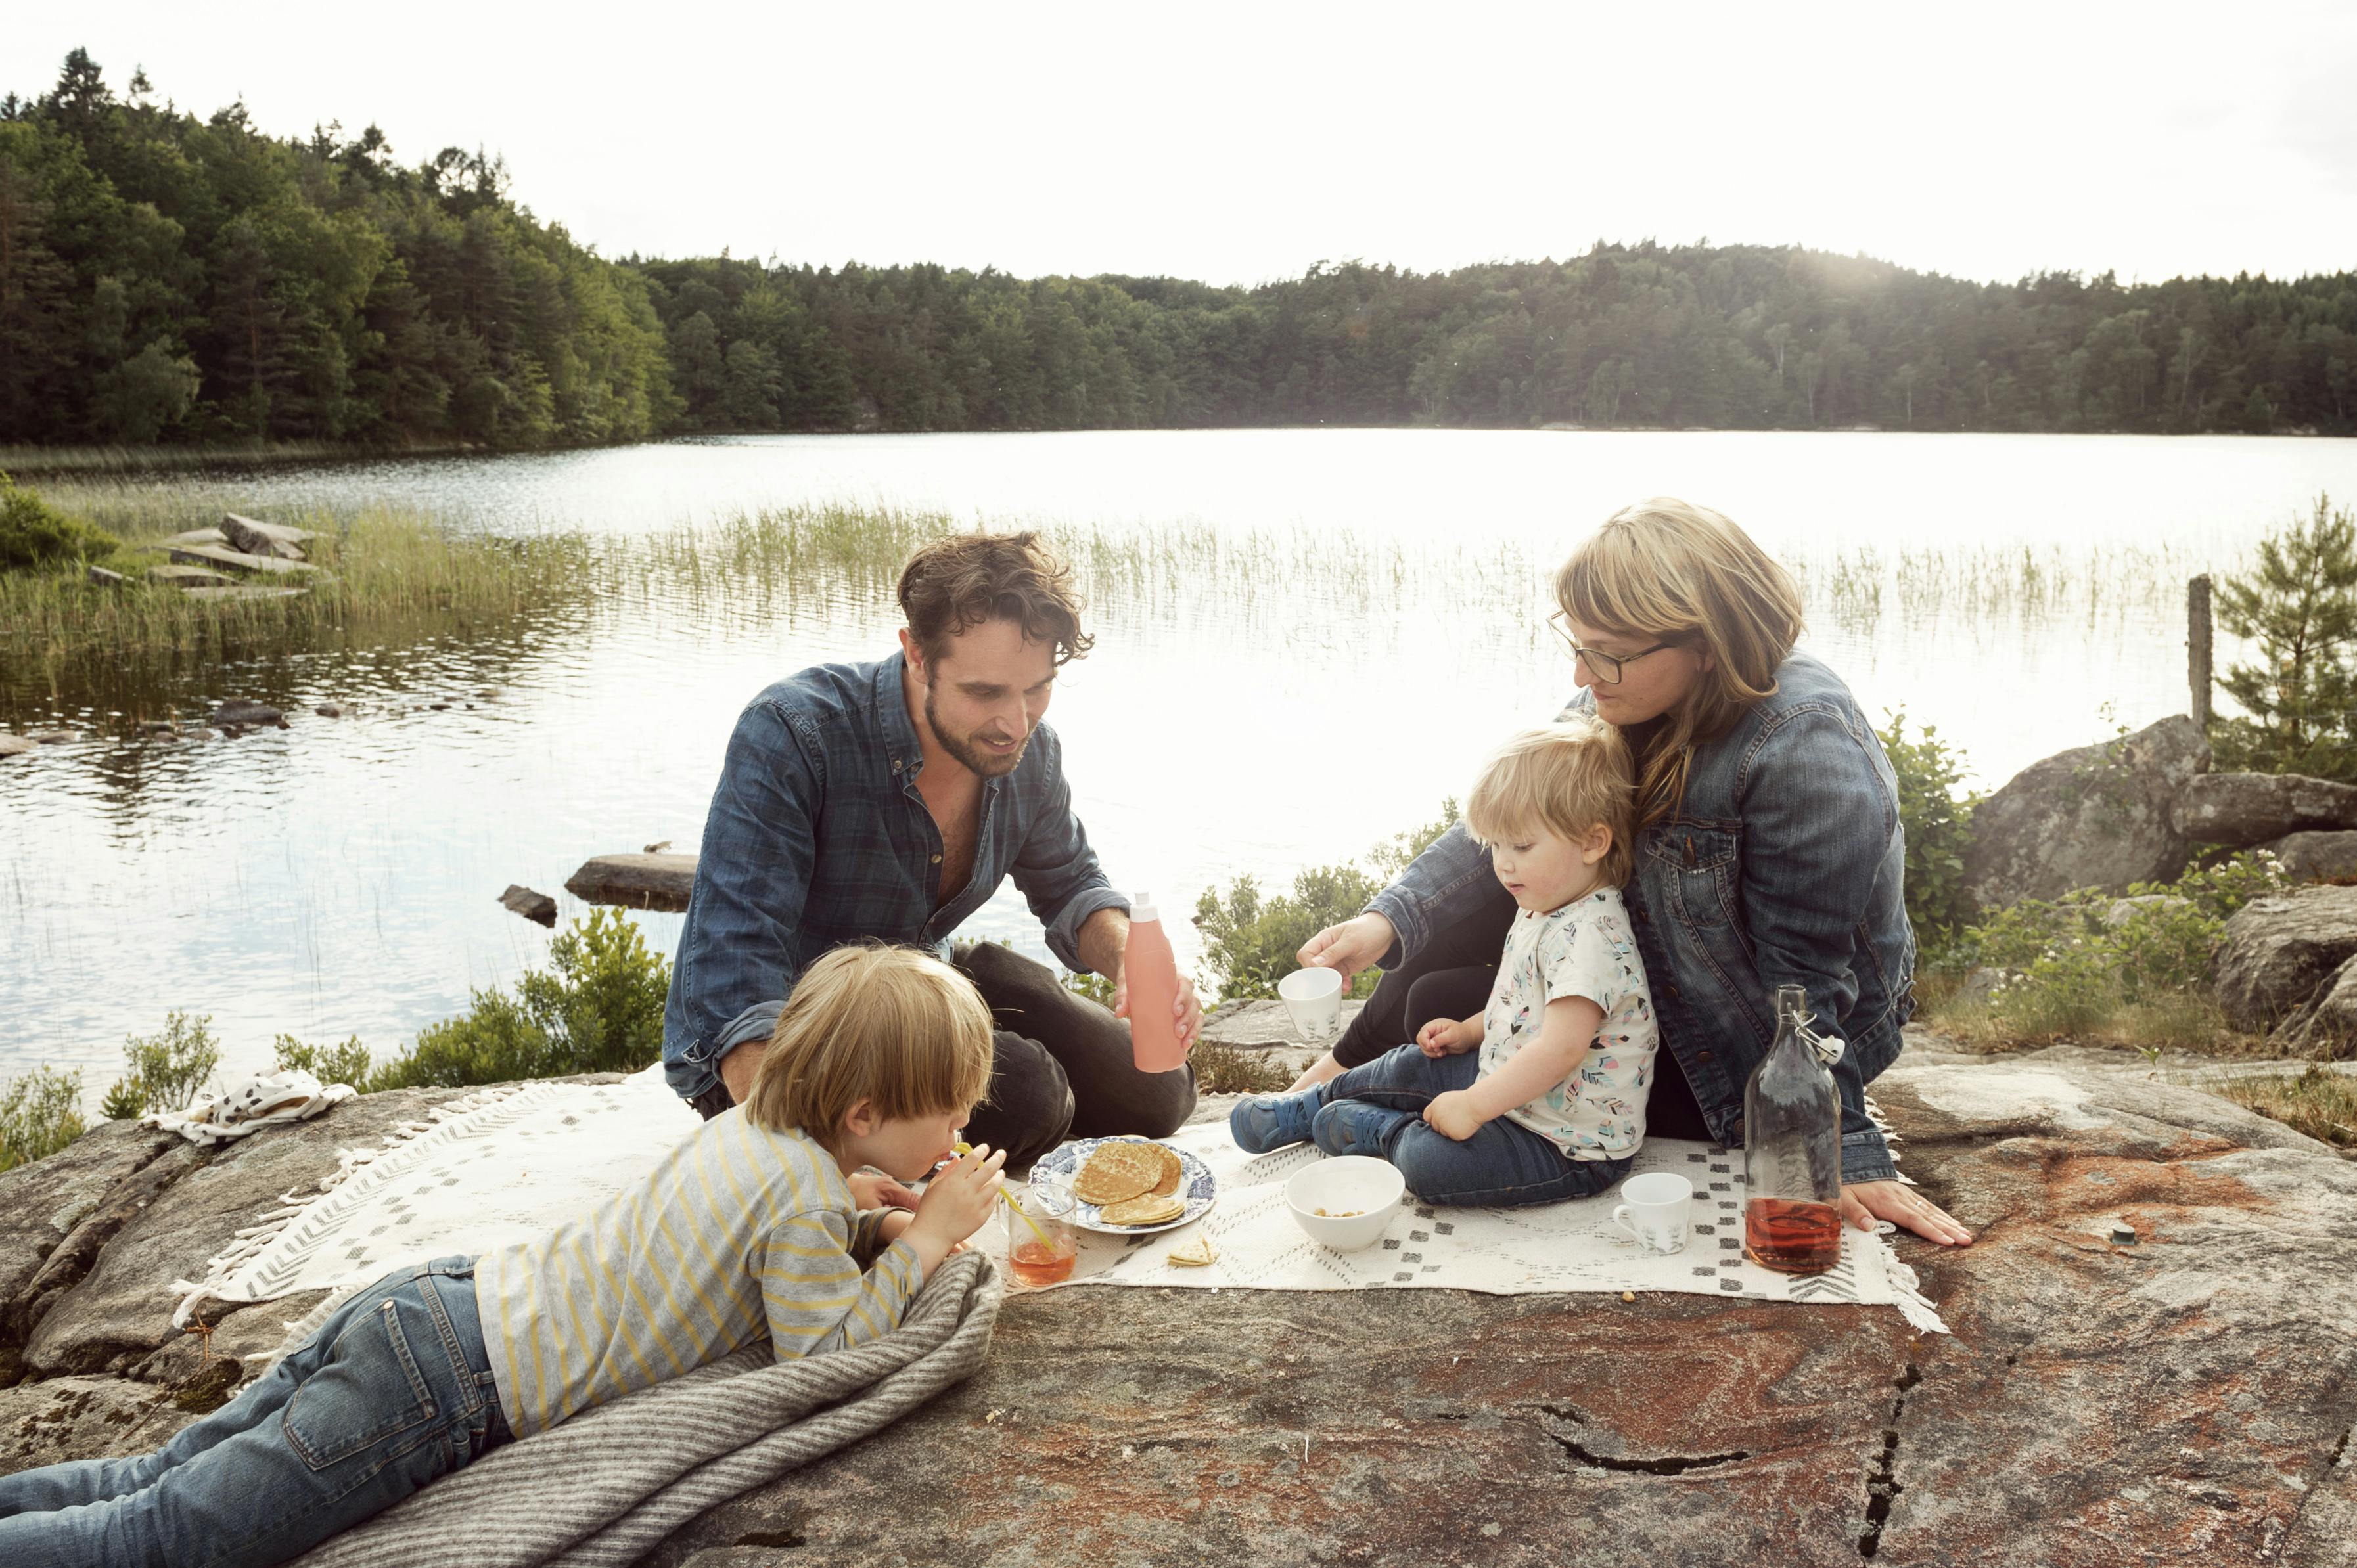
(394, 1391)
(1377, 1110)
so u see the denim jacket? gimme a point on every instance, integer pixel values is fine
(817, 837)
(1784, 866)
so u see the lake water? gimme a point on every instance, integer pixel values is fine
(1374, 628)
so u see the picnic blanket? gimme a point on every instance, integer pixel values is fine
(1570, 1246)
(497, 1166)
(603, 1488)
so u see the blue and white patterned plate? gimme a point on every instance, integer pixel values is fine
(1059, 1166)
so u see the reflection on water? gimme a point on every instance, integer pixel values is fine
(1305, 640)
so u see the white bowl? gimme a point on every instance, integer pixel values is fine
(1359, 1195)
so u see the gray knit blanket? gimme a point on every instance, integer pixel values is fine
(603, 1488)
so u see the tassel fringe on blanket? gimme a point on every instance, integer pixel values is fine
(251, 1240)
(601, 1490)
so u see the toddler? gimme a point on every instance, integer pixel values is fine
(750, 1227)
(1543, 1096)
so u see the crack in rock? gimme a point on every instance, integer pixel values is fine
(1883, 1485)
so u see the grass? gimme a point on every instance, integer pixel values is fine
(110, 461)
(1224, 1070)
(2320, 1102)
(382, 567)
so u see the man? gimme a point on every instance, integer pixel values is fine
(887, 801)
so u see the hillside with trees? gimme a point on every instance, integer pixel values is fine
(166, 278)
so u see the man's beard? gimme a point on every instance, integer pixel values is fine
(972, 758)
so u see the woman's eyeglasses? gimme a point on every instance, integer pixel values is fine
(1604, 667)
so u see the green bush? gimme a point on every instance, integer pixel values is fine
(599, 1009)
(347, 1063)
(2090, 961)
(40, 1112)
(1937, 813)
(163, 1071)
(1250, 941)
(34, 533)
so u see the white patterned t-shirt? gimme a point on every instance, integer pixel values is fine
(1584, 949)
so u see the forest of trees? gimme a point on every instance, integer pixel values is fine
(166, 278)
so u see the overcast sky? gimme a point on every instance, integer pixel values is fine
(1239, 143)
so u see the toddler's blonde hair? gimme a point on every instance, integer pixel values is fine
(1567, 776)
(889, 1025)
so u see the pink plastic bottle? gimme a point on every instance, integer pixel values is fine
(1153, 991)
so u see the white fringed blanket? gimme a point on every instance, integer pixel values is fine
(497, 1166)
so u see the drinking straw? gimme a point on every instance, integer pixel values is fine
(965, 1149)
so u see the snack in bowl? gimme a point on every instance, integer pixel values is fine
(1148, 1210)
(1119, 1171)
(1345, 1201)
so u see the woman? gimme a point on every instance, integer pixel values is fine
(1769, 849)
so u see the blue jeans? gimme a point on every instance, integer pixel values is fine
(392, 1392)
(1377, 1110)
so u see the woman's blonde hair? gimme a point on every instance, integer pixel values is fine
(1567, 776)
(1668, 571)
(891, 1025)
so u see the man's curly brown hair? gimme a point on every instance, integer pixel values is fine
(969, 578)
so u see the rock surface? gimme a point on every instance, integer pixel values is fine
(531, 906)
(2316, 858)
(1262, 1025)
(2099, 816)
(2280, 952)
(17, 745)
(251, 538)
(2182, 1400)
(635, 881)
(2239, 809)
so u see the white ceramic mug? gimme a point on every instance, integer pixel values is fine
(1654, 1210)
(1314, 998)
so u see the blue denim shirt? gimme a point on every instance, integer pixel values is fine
(1785, 866)
(817, 837)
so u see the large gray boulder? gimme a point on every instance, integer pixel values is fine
(2280, 952)
(2316, 858)
(2239, 809)
(2182, 1400)
(2099, 816)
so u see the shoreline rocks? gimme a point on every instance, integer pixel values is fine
(2183, 1399)
(2097, 816)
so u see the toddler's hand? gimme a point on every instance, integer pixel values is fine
(1452, 1116)
(873, 1190)
(1445, 1037)
(959, 1198)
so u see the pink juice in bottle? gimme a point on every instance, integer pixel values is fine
(1153, 975)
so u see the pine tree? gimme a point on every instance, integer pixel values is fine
(2300, 608)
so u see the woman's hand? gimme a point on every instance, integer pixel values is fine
(1448, 1038)
(873, 1190)
(1350, 947)
(1452, 1116)
(1864, 1202)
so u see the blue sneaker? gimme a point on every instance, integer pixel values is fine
(1355, 1127)
(1271, 1122)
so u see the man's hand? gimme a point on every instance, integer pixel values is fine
(873, 1190)
(1864, 1202)
(737, 1068)
(1186, 1008)
(1349, 947)
(1449, 1037)
(1452, 1116)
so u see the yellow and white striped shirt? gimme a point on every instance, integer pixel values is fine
(737, 1232)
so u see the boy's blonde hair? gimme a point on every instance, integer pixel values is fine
(892, 1025)
(1669, 571)
(1567, 776)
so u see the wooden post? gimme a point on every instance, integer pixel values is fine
(2197, 647)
